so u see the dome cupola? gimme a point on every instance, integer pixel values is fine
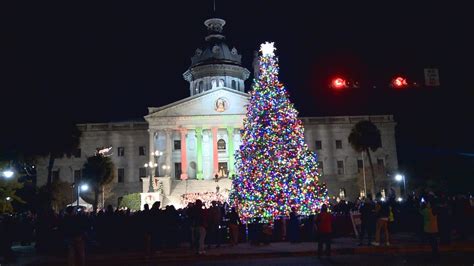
(215, 64)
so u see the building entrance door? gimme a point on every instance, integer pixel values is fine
(222, 170)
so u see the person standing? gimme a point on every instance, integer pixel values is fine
(234, 223)
(156, 220)
(382, 213)
(430, 225)
(324, 224)
(214, 225)
(199, 221)
(444, 221)
(73, 230)
(294, 225)
(367, 217)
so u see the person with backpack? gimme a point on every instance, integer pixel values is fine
(382, 213)
(367, 217)
(199, 222)
(430, 225)
(324, 227)
(234, 223)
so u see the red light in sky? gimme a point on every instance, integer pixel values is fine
(399, 82)
(339, 83)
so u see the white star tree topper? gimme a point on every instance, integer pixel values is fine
(267, 48)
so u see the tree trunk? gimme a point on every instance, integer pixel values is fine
(96, 199)
(49, 181)
(372, 171)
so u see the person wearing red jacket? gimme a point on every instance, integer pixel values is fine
(324, 225)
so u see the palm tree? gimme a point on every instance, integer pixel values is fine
(365, 136)
(98, 172)
(62, 140)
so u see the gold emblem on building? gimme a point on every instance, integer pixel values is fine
(221, 105)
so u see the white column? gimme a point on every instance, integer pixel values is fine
(168, 151)
(151, 145)
(184, 154)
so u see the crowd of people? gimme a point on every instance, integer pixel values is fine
(430, 215)
(202, 228)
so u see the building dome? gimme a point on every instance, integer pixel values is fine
(215, 51)
(215, 64)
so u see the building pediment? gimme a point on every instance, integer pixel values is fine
(218, 101)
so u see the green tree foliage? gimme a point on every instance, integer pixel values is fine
(98, 171)
(8, 189)
(61, 194)
(131, 201)
(365, 136)
(62, 144)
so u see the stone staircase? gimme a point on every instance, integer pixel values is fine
(180, 187)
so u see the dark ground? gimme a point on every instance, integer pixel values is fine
(371, 259)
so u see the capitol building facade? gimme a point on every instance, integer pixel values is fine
(193, 140)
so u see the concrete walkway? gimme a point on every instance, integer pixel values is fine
(401, 244)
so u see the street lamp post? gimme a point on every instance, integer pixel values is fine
(157, 155)
(165, 168)
(151, 165)
(81, 187)
(363, 174)
(399, 178)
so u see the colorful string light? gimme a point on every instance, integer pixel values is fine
(275, 169)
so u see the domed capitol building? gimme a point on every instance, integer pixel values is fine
(190, 141)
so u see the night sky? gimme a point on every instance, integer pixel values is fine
(109, 61)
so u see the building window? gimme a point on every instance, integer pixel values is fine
(338, 144)
(340, 167)
(177, 170)
(221, 144)
(55, 175)
(360, 166)
(141, 151)
(142, 172)
(177, 144)
(380, 163)
(77, 153)
(234, 85)
(213, 83)
(321, 166)
(120, 175)
(201, 85)
(120, 151)
(77, 176)
(221, 83)
(318, 145)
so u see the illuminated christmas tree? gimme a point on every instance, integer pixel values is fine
(276, 170)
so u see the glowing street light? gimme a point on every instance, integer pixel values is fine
(8, 198)
(84, 187)
(8, 173)
(81, 187)
(151, 165)
(400, 178)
